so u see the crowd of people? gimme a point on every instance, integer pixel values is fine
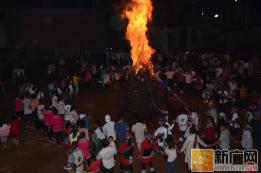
(223, 83)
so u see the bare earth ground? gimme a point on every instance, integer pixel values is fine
(36, 155)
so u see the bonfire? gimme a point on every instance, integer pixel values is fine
(142, 98)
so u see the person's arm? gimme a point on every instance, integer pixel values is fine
(172, 125)
(216, 143)
(184, 146)
(201, 142)
(99, 156)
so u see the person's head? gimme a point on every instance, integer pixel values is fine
(192, 130)
(128, 138)
(72, 108)
(105, 143)
(161, 122)
(107, 118)
(148, 136)
(171, 144)
(248, 127)
(81, 124)
(74, 131)
(210, 121)
(189, 123)
(110, 139)
(55, 111)
(98, 123)
(222, 126)
(74, 145)
(81, 135)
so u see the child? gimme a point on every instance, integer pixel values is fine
(15, 130)
(4, 132)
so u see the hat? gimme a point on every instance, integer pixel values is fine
(82, 116)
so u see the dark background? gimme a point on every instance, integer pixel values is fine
(68, 27)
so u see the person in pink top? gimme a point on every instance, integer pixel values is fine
(83, 145)
(47, 119)
(57, 124)
(4, 132)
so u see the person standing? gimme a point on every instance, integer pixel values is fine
(27, 110)
(57, 124)
(139, 129)
(121, 128)
(107, 156)
(147, 149)
(127, 150)
(171, 155)
(108, 127)
(192, 141)
(77, 158)
(224, 138)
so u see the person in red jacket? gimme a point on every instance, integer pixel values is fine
(127, 150)
(15, 130)
(147, 148)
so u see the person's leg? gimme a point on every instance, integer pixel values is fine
(49, 133)
(143, 167)
(151, 166)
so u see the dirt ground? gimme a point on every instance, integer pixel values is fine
(36, 155)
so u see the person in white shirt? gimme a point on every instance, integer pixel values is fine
(112, 144)
(107, 157)
(224, 138)
(108, 127)
(27, 109)
(139, 130)
(54, 100)
(61, 107)
(161, 134)
(76, 158)
(182, 123)
(171, 155)
(192, 141)
(40, 116)
(67, 109)
(73, 116)
(247, 138)
(98, 136)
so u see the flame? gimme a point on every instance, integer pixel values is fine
(139, 13)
